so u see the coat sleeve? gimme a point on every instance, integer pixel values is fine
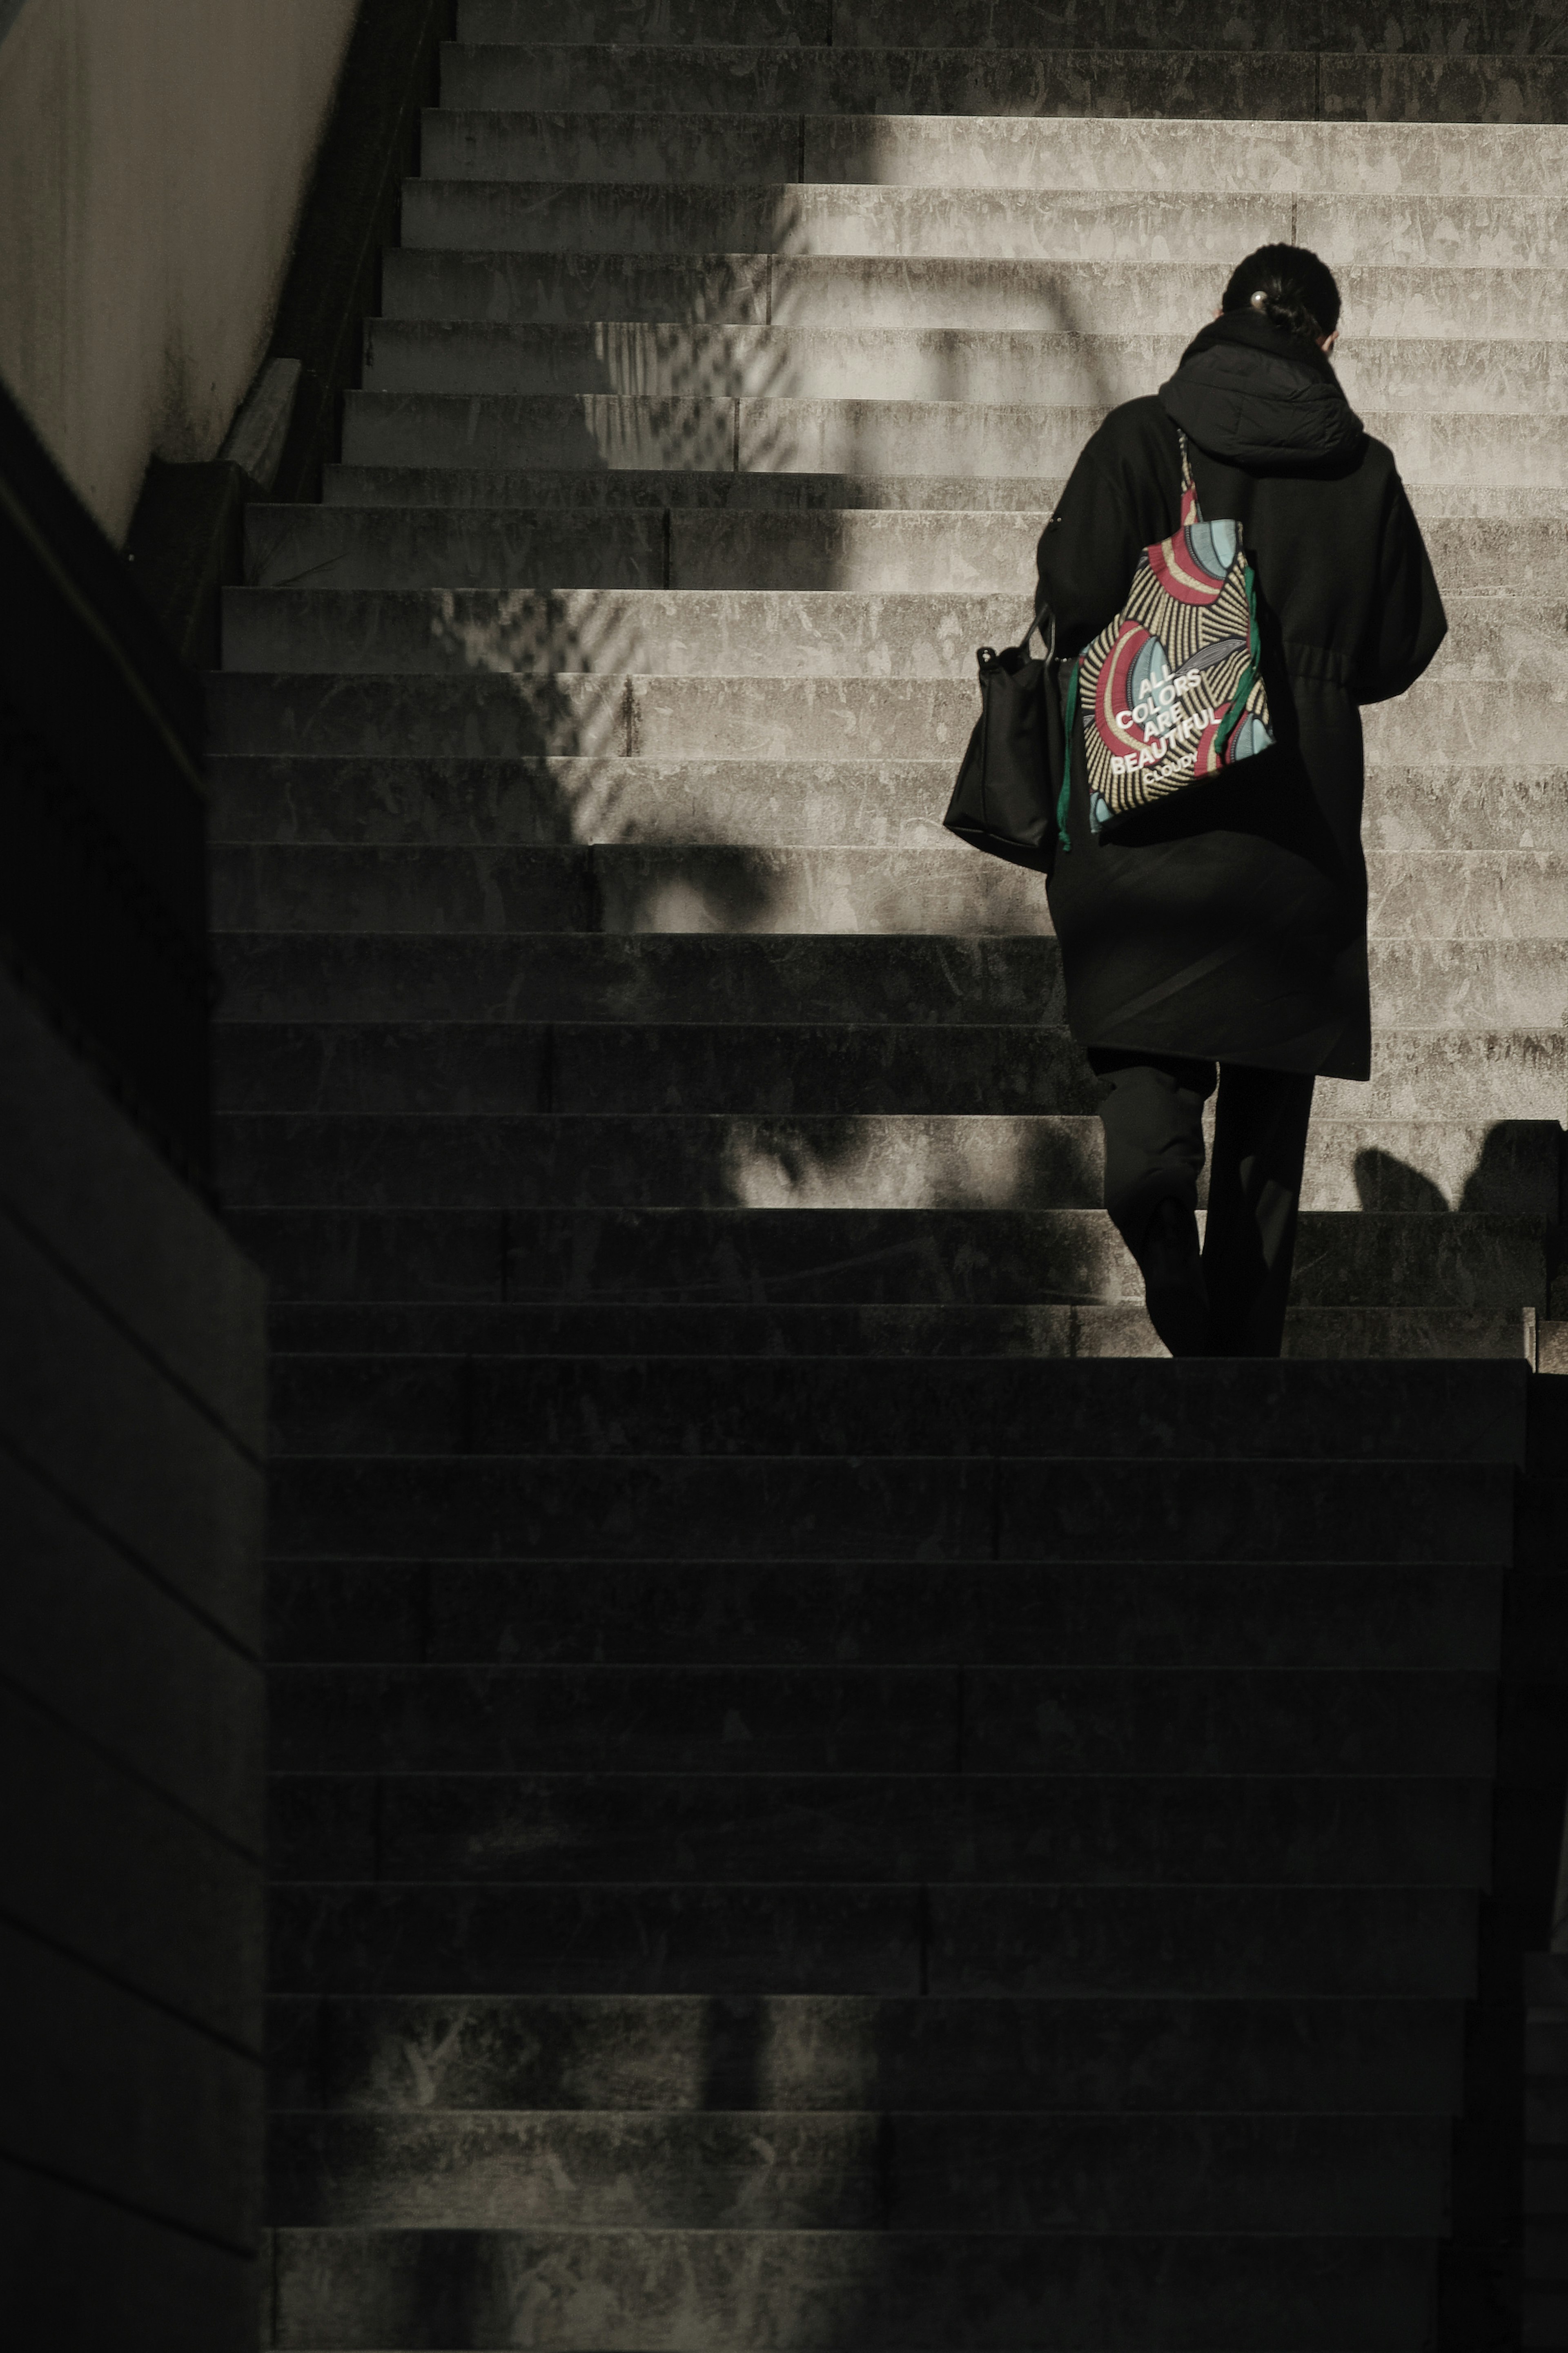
(1407, 623)
(1089, 549)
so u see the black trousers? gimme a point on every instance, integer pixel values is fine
(1154, 1152)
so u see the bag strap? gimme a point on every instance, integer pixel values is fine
(1044, 621)
(1190, 511)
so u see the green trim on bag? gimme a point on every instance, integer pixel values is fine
(1248, 676)
(1069, 718)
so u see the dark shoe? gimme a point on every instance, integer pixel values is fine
(1173, 1288)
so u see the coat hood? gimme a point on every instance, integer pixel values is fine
(1249, 392)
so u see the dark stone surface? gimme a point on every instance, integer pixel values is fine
(844, 2290)
(988, 1824)
(1262, 86)
(888, 1507)
(1355, 2176)
(674, 2053)
(763, 1720)
(485, 1404)
(1401, 1618)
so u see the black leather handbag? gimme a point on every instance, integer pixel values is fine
(1010, 785)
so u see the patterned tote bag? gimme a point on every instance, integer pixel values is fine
(1171, 689)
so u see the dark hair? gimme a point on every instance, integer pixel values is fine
(1297, 290)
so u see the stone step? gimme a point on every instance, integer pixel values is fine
(1332, 25)
(800, 2053)
(979, 1256)
(1403, 1618)
(941, 886)
(709, 430)
(1046, 366)
(600, 490)
(976, 1941)
(838, 979)
(779, 635)
(979, 294)
(865, 1828)
(938, 884)
(781, 1074)
(1352, 2175)
(1181, 1740)
(888, 1507)
(843, 550)
(933, 1332)
(861, 1161)
(533, 803)
(494, 715)
(1128, 80)
(489, 1404)
(502, 215)
(878, 2289)
(1104, 157)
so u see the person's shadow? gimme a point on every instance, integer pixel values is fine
(1517, 1174)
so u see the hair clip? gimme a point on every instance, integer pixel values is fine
(1260, 299)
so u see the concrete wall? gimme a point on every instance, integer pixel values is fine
(130, 1729)
(153, 158)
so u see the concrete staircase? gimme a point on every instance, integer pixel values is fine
(804, 1819)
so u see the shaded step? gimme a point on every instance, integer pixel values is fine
(1397, 1619)
(721, 490)
(1279, 1943)
(915, 151)
(941, 885)
(798, 2052)
(853, 1073)
(937, 883)
(979, 294)
(539, 1161)
(1130, 81)
(888, 1507)
(711, 428)
(1085, 1331)
(982, 1257)
(828, 978)
(767, 1721)
(545, 1160)
(1355, 2176)
(583, 1829)
(510, 715)
(849, 2289)
(489, 1405)
(1415, 25)
(473, 216)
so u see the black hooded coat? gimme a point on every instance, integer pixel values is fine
(1230, 922)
